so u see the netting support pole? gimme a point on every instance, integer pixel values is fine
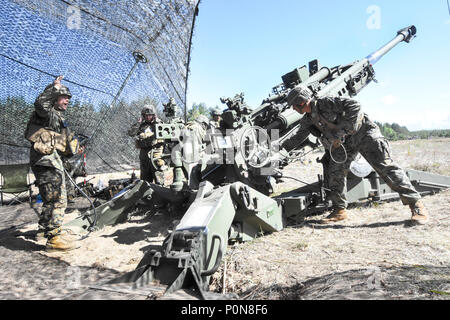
(139, 58)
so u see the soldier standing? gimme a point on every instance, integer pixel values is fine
(346, 131)
(47, 131)
(216, 115)
(150, 148)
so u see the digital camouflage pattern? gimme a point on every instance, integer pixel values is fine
(298, 95)
(216, 115)
(342, 118)
(45, 160)
(371, 144)
(52, 188)
(144, 135)
(46, 128)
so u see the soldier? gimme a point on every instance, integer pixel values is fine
(345, 131)
(151, 149)
(47, 131)
(201, 125)
(216, 115)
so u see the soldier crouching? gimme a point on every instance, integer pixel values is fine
(340, 121)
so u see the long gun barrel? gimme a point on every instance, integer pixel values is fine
(405, 34)
(350, 82)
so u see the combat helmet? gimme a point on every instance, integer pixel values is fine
(298, 95)
(63, 91)
(216, 112)
(202, 119)
(148, 109)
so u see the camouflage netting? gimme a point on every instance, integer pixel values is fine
(93, 44)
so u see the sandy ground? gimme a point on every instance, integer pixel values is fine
(374, 254)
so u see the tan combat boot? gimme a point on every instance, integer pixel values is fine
(39, 236)
(419, 213)
(62, 242)
(337, 215)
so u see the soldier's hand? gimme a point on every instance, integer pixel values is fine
(145, 135)
(140, 120)
(57, 82)
(336, 143)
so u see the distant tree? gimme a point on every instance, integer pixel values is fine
(397, 128)
(198, 109)
(379, 124)
(390, 134)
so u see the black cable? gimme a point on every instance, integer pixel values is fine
(54, 76)
(104, 161)
(94, 222)
(298, 180)
(345, 153)
(189, 58)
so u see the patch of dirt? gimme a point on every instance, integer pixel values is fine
(373, 238)
(374, 254)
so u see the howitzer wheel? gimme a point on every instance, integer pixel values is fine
(258, 151)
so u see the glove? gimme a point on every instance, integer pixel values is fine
(332, 142)
(336, 143)
(145, 135)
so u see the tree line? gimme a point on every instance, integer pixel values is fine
(396, 132)
(15, 112)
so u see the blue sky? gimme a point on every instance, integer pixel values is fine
(247, 45)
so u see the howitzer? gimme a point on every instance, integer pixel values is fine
(227, 189)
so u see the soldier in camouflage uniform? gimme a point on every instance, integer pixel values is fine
(50, 138)
(216, 115)
(343, 126)
(144, 133)
(200, 126)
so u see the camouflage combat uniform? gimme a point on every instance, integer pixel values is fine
(216, 121)
(46, 162)
(345, 121)
(144, 134)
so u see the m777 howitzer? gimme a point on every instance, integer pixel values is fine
(226, 176)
